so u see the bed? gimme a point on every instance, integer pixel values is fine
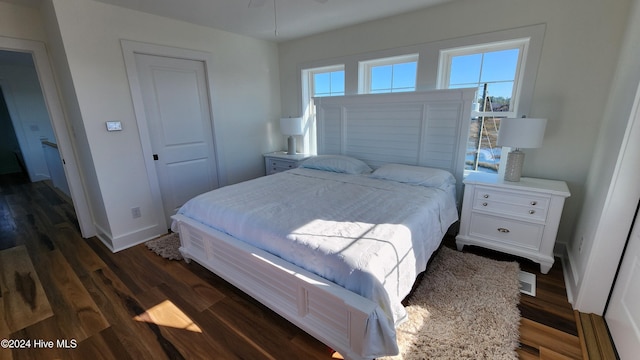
(335, 245)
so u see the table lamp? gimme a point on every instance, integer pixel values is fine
(519, 133)
(292, 127)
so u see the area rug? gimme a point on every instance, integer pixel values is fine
(465, 307)
(166, 246)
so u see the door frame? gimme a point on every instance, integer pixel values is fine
(130, 49)
(58, 122)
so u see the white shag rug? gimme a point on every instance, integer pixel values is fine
(465, 307)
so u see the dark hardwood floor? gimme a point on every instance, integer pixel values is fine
(74, 299)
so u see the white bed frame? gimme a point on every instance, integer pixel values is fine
(419, 128)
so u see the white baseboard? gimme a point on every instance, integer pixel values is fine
(128, 240)
(560, 250)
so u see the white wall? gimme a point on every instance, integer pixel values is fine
(578, 60)
(245, 106)
(612, 190)
(21, 22)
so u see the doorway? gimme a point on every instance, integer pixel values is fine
(10, 154)
(25, 118)
(60, 133)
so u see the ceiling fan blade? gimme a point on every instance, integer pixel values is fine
(256, 3)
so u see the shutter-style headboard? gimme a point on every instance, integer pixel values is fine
(426, 128)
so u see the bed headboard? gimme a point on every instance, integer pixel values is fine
(426, 128)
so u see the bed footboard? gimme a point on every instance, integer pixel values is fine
(335, 316)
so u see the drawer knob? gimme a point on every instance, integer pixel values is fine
(534, 203)
(503, 230)
(484, 204)
(532, 212)
(486, 196)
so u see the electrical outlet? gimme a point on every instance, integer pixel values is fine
(135, 212)
(580, 245)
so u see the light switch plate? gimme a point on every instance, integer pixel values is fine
(114, 125)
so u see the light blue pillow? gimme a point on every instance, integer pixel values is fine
(336, 163)
(416, 175)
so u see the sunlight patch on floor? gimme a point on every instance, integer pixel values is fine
(168, 314)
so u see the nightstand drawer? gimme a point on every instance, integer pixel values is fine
(279, 165)
(512, 232)
(523, 205)
(282, 164)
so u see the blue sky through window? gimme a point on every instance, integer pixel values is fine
(328, 83)
(394, 77)
(497, 68)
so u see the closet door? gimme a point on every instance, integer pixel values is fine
(623, 313)
(175, 96)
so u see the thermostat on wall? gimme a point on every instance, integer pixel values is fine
(114, 125)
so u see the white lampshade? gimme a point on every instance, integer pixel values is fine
(521, 132)
(291, 126)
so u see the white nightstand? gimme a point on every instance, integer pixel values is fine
(279, 161)
(519, 218)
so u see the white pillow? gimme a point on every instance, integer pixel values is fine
(416, 175)
(336, 163)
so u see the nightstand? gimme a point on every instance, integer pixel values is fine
(278, 161)
(519, 218)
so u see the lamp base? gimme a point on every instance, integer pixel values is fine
(513, 170)
(291, 145)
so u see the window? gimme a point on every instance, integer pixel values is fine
(495, 70)
(326, 81)
(317, 82)
(395, 74)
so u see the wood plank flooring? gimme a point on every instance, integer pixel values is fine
(136, 305)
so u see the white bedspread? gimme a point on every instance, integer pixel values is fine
(369, 236)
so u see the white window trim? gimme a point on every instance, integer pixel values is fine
(309, 142)
(364, 69)
(427, 74)
(444, 70)
(524, 67)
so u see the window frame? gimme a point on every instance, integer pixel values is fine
(522, 44)
(309, 113)
(365, 67)
(444, 74)
(322, 70)
(427, 77)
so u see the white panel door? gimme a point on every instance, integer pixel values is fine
(623, 313)
(176, 103)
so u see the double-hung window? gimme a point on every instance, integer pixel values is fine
(326, 81)
(317, 82)
(393, 74)
(496, 70)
